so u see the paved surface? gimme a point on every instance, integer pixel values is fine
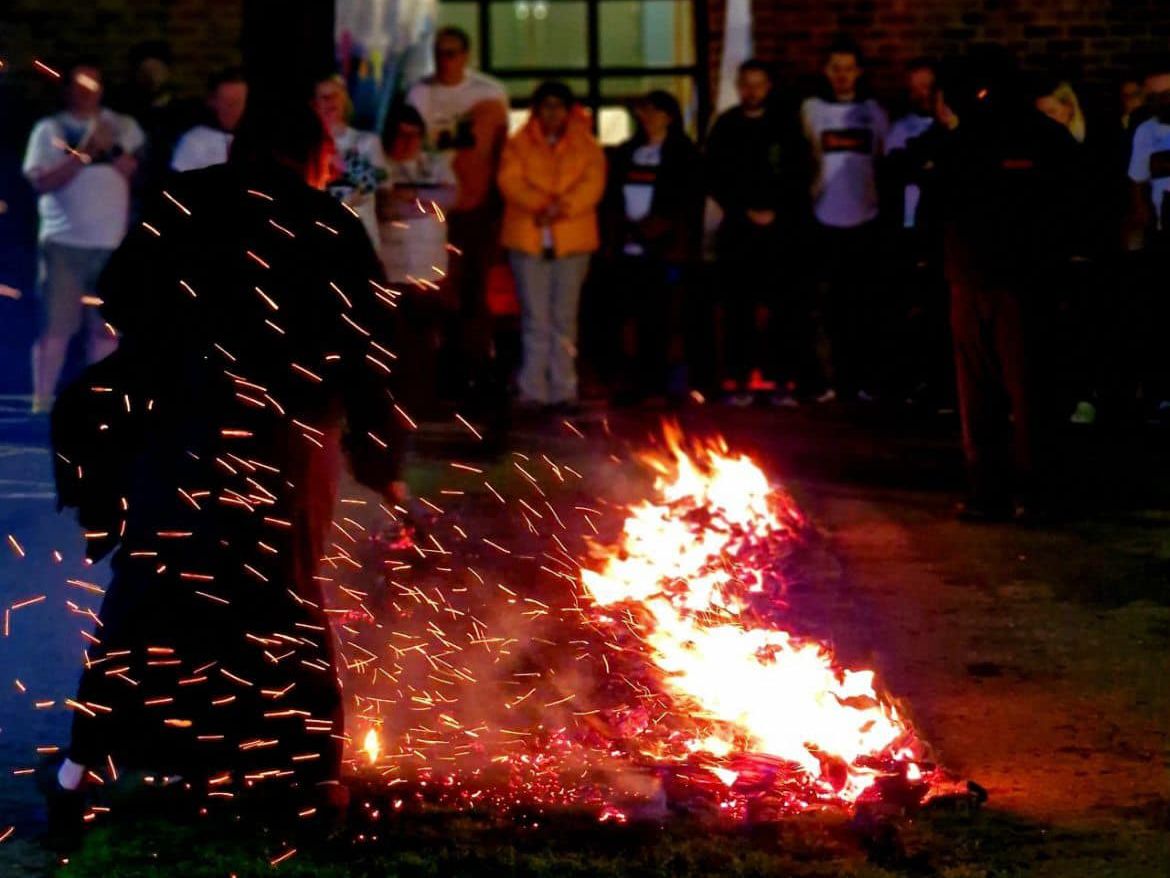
(1034, 660)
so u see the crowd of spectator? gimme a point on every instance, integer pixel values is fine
(984, 244)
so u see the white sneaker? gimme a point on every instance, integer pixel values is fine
(829, 395)
(784, 401)
(741, 400)
(1084, 414)
(865, 396)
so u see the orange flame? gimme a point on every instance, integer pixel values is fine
(372, 746)
(684, 560)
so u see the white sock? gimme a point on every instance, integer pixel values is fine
(70, 775)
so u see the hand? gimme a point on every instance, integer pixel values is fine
(762, 217)
(126, 165)
(101, 139)
(551, 213)
(945, 115)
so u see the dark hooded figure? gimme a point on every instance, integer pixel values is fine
(254, 348)
(1004, 197)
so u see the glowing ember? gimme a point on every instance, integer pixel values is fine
(691, 566)
(662, 671)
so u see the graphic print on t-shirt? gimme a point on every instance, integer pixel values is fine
(858, 140)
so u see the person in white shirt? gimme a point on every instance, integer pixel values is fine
(80, 161)
(412, 204)
(847, 134)
(207, 145)
(466, 117)
(1149, 172)
(921, 89)
(359, 163)
(921, 355)
(450, 102)
(1149, 163)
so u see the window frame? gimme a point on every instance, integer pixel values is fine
(594, 72)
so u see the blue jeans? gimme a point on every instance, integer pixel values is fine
(550, 297)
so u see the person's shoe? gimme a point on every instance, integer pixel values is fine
(42, 405)
(1085, 414)
(784, 400)
(741, 400)
(65, 809)
(982, 512)
(828, 396)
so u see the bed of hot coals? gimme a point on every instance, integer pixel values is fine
(633, 662)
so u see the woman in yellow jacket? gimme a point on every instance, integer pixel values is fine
(552, 177)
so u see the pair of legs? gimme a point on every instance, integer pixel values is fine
(474, 234)
(649, 298)
(921, 355)
(850, 308)
(995, 392)
(550, 299)
(178, 683)
(66, 275)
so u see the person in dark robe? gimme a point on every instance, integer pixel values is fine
(1005, 201)
(254, 350)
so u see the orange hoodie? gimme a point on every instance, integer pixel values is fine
(534, 172)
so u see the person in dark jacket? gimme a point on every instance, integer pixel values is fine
(653, 210)
(920, 351)
(758, 171)
(253, 349)
(1004, 186)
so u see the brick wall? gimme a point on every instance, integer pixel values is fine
(203, 34)
(1089, 41)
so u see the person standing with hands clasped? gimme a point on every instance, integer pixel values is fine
(552, 177)
(80, 161)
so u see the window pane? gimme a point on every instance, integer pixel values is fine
(465, 15)
(618, 91)
(538, 33)
(520, 90)
(647, 33)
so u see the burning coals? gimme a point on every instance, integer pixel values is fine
(661, 673)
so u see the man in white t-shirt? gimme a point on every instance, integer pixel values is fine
(466, 116)
(80, 161)
(847, 134)
(207, 145)
(1149, 171)
(1149, 163)
(920, 348)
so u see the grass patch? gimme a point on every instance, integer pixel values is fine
(444, 845)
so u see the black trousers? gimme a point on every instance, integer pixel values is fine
(853, 315)
(921, 355)
(203, 667)
(763, 293)
(650, 301)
